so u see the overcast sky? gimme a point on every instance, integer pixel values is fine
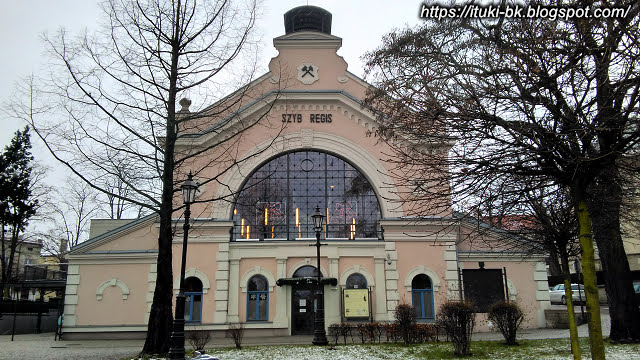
(360, 23)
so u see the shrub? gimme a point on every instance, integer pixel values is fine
(346, 330)
(458, 319)
(334, 332)
(424, 333)
(391, 329)
(363, 332)
(375, 331)
(198, 339)
(405, 318)
(508, 317)
(237, 333)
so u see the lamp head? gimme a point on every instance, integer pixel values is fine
(189, 189)
(317, 219)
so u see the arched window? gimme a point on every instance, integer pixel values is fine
(422, 296)
(193, 301)
(306, 271)
(356, 281)
(258, 299)
(278, 199)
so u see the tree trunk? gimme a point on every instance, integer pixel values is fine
(555, 268)
(589, 276)
(605, 212)
(161, 315)
(573, 327)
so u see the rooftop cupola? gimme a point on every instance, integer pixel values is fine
(307, 18)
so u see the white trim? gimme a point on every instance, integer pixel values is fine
(258, 270)
(113, 282)
(357, 269)
(513, 291)
(421, 269)
(206, 285)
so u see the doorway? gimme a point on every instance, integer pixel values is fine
(302, 306)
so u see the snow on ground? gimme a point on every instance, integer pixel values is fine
(364, 352)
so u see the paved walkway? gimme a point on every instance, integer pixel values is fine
(43, 346)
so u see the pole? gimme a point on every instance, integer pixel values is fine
(319, 335)
(177, 352)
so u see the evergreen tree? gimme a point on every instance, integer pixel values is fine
(17, 204)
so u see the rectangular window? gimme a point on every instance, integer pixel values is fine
(257, 306)
(193, 307)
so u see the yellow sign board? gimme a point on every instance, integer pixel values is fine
(356, 302)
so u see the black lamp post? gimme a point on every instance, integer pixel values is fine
(176, 352)
(319, 335)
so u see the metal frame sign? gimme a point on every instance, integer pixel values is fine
(356, 303)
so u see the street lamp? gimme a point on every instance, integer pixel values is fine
(176, 352)
(319, 335)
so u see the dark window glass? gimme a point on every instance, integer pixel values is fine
(306, 271)
(277, 201)
(356, 281)
(421, 281)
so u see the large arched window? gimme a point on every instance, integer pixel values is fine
(258, 299)
(277, 201)
(422, 296)
(193, 301)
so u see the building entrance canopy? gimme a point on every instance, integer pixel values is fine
(306, 280)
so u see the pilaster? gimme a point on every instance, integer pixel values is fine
(391, 278)
(380, 297)
(222, 284)
(281, 319)
(233, 287)
(151, 288)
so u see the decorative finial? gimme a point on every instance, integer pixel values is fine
(185, 103)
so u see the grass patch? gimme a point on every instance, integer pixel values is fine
(526, 350)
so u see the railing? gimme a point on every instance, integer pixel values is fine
(44, 272)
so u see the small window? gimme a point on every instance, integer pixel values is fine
(193, 301)
(422, 297)
(258, 299)
(356, 281)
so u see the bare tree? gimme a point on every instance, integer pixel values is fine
(65, 219)
(116, 124)
(552, 102)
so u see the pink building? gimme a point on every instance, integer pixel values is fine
(306, 142)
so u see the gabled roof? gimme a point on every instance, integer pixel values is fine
(101, 239)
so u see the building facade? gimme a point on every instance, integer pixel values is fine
(306, 142)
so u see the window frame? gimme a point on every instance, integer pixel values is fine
(191, 295)
(422, 293)
(256, 311)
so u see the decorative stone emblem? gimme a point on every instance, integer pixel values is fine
(307, 73)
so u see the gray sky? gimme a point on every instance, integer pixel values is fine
(360, 23)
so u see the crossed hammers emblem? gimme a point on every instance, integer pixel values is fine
(307, 70)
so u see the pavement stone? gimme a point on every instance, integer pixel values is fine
(43, 346)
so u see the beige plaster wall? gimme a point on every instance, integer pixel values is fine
(112, 309)
(201, 257)
(412, 254)
(143, 238)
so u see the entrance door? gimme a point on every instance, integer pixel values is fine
(302, 309)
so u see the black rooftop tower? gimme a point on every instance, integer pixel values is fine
(307, 18)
